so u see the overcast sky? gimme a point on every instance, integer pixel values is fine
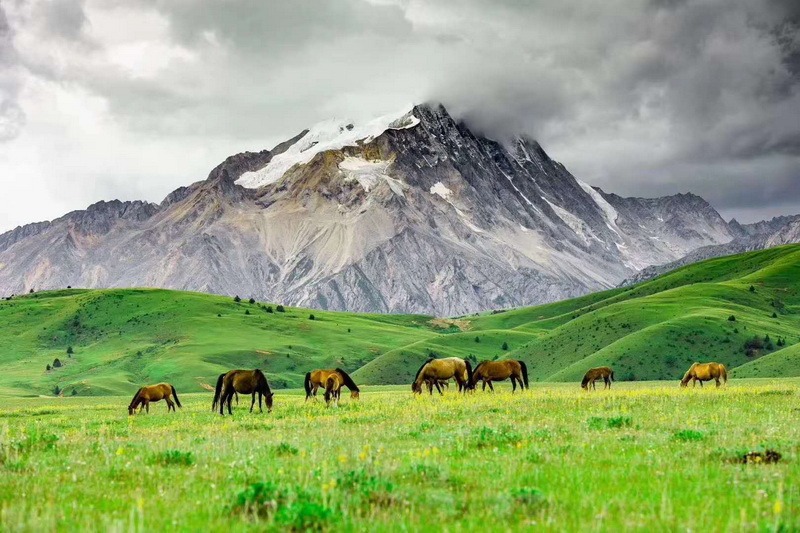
(104, 99)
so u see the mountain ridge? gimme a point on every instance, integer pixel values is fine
(423, 216)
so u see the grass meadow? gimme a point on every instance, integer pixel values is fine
(644, 456)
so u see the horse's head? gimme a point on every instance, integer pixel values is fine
(354, 394)
(269, 396)
(130, 410)
(416, 387)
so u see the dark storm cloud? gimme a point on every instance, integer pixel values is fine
(642, 98)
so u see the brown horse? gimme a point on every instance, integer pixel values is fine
(489, 371)
(705, 372)
(433, 371)
(319, 378)
(154, 393)
(243, 382)
(594, 374)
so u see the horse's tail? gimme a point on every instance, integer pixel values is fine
(175, 395)
(469, 373)
(612, 376)
(723, 373)
(217, 391)
(524, 372)
(135, 397)
(307, 385)
(348, 381)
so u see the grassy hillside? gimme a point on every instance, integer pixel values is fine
(654, 330)
(125, 337)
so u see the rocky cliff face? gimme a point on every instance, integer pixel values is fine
(408, 213)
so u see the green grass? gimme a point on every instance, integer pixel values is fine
(644, 456)
(123, 338)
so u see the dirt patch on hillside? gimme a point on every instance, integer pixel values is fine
(447, 323)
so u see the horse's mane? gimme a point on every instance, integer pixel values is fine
(348, 381)
(423, 366)
(134, 397)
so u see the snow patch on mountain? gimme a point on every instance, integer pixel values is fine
(441, 190)
(608, 210)
(327, 135)
(369, 173)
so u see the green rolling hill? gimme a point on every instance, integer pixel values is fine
(121, 338)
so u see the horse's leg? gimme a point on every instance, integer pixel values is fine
(253, 402)
(260, 395)
(717, 380)
(491, 386)
(170, 405)
(513, 384)
(147, 406)
(230, 401)
(484, 386)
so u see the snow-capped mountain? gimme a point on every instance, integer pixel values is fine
(411, 212)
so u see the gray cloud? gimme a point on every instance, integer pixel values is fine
(641, 98)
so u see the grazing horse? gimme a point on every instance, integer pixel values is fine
(433, 371)
(705, 372)
(243, 382)
(489, 371)
(154, 393)
(594, 374)
(334, 383)
(319, 378)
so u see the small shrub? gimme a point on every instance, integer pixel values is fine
(689, 435)
(56, 390)
(219, 315)
(477, 339)
(70, 351)
(57, 363)
(237, 299)
(74, 392)
(528, 496)
(505, 346)
(48, 368)
(752, 289)
(251, 301)
(268, 309)
(280, 309)
(774, 315)
(731, 318)
(173, 458)
(285, 449)
(311, 317)
(614, 422)
(247, 311)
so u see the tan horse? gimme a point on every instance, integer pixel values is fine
(594, 374)
(433, 371)
(243, 382)
(154, 393)
(489, 371)
(319, 378)
(705, 372)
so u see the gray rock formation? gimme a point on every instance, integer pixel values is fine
(749, 237)
(408, 213)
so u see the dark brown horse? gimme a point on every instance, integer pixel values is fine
(489, 371)
(705, 372)
(434, 371)
(319, 378)
(243, 382)
(154, 393)
(594, 374)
